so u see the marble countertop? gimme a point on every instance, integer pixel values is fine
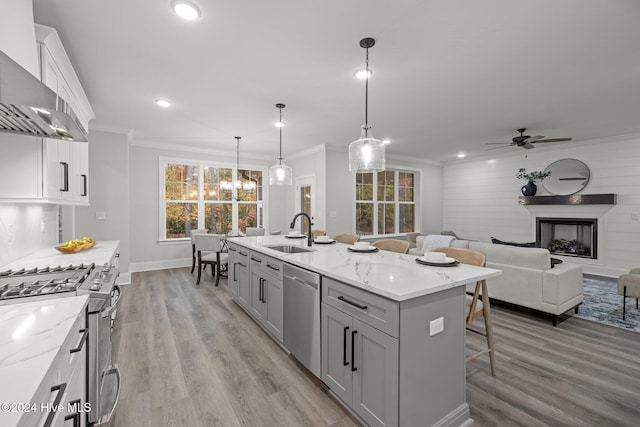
(30, 340)
(51, 257)
(392, 275)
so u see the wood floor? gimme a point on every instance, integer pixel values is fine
(189, 356)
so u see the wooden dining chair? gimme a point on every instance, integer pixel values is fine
(392, 245)
(192, 234)
(209, 248)
(477, 301)
(316, 233)
(349, 239)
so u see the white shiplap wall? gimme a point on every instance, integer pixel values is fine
(481, 198)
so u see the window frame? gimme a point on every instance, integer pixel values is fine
(417, 202)
(201, 202)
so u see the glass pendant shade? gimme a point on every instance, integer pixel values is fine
(366, 154)
(280, 174)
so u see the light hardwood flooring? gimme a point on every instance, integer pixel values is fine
(189, 356)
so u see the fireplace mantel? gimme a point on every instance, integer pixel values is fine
(573, 199)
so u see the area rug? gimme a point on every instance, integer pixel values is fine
(603, 304)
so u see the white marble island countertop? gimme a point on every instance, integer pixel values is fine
(30, 339)
(51, 257)
(392, 275)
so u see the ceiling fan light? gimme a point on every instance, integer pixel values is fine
(366, 154)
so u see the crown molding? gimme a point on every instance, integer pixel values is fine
(200, 150)
(308, 152)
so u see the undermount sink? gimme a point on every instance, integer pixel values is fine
(289, 249)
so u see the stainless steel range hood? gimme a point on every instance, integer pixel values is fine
(28, 107)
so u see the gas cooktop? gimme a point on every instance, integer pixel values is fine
(42, 281)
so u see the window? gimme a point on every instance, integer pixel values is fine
(217, 197)
(385, 202)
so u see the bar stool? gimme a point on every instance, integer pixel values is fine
(476, 307)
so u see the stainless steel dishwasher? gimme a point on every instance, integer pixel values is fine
(302, 316)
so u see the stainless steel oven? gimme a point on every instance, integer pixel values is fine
(99, 282)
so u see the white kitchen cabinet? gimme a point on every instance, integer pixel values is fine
(256, 284)
(360, 362)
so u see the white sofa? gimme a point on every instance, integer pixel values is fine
(527, 278)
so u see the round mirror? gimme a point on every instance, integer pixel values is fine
(568, 176)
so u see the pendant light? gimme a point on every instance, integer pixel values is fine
(366, 154)
(280, 174)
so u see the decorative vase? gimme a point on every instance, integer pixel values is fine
(529, 189)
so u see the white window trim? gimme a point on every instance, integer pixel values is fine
(418, 204)
(163, 161)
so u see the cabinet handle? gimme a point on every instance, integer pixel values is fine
(241, 264)
(56, 403)
(264, 299)
(76, 415)
(242, 253)
(85, 332)
(344, 346)
(232, 249)
(235, 273)
(272, 267)
(353, 351)
(361, 307)
(65, 176)
(256, 259)
(84, 185)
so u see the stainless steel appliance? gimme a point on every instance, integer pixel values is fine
(302, 316)
(99, 282)
(28, 107)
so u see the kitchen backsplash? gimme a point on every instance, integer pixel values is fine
(25, 228)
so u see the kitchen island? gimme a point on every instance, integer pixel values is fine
(393, 330)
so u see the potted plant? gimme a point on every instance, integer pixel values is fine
(530, 188)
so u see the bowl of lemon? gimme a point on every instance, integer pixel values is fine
(76, 245)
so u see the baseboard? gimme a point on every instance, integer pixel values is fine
(159, 265)
(124, 279)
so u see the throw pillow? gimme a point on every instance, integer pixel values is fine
(555, 261)
(520, 245)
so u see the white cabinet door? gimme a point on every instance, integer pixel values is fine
(273, 300)
(57, 163)
(257, 307)
(244, 284)
(337, 328)
(375, 375)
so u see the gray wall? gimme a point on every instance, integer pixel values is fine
(108, 192)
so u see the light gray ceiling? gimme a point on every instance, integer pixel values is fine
(449, 75)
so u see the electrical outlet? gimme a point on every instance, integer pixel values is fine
(101, 215)
(635, 216)
(436, 326)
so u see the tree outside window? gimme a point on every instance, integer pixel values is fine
(386, 199)
(207, 196)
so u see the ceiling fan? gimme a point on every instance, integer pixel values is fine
(525, 141)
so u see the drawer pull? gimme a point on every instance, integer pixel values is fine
(345, 362)
(256, 259)
(241, 264)
(242, 253)
(355, 304)
(85, 332)
(76, 415)
(232, 249)
(56, 403)
(272, 267)
(353, 351)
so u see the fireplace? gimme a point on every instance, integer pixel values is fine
(576, 237)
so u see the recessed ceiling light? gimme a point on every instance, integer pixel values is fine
(363, 73)
(461, 155)
(386, 141)
(279, 124)
(164, 103)
(186, 10)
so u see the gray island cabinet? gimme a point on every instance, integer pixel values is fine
(378, 354)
